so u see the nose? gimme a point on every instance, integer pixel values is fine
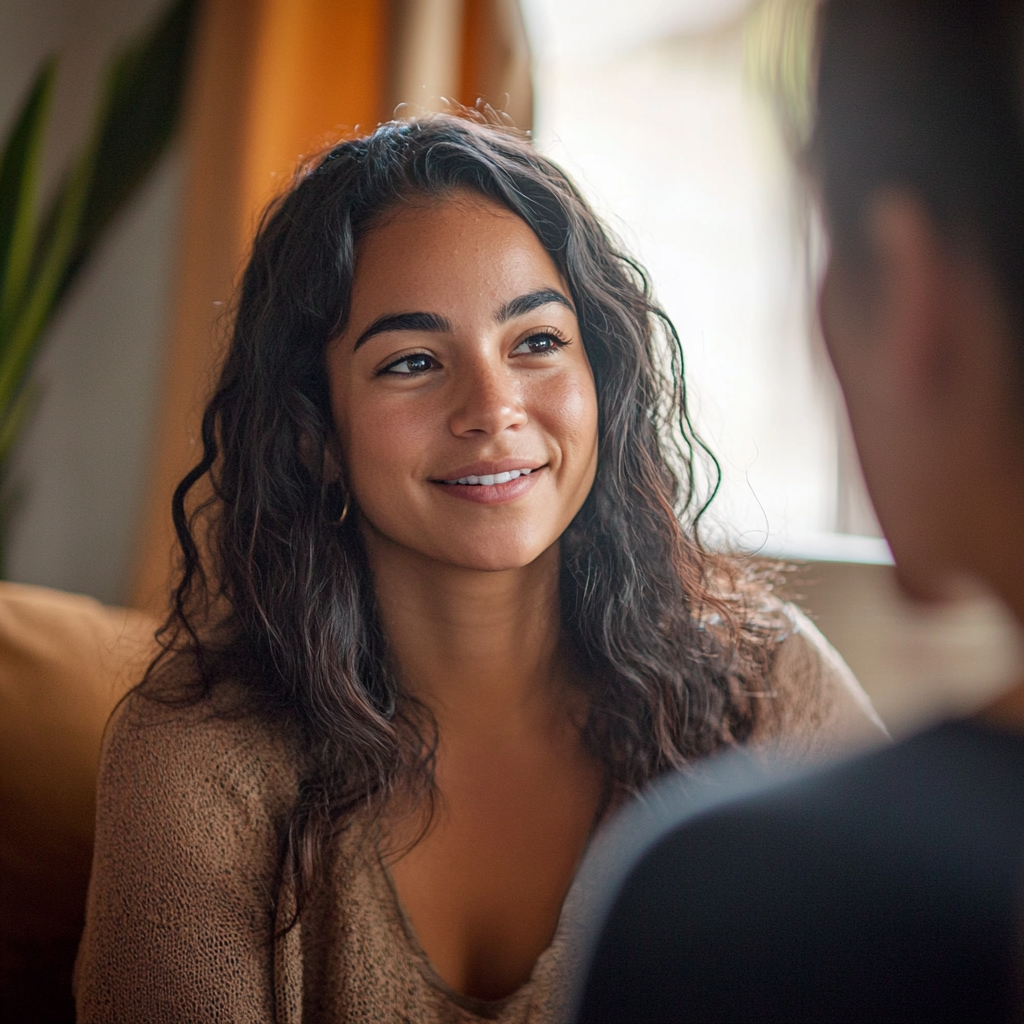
(486, 400)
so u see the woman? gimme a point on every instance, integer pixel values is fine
(437, 613)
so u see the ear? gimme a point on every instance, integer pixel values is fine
(333, 465)
(917, 291)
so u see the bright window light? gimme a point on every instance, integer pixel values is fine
(649, 105)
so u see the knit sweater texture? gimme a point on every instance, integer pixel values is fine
(186, 908)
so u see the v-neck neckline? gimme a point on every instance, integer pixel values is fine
(487, 1009)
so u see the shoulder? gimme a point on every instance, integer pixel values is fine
(204, 757)
(846, 884)
(192, 804)
(812, 704)
(858, 810)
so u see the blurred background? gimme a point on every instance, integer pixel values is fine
(667, 112)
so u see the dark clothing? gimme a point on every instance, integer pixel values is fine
(887, 888)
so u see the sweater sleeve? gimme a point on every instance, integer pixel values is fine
(179, 920)
(814, 707)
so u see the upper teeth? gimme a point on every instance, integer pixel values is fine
(491, 479)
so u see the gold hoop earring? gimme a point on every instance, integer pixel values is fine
(344, 510)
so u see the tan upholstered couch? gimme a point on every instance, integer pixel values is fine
(65, 661)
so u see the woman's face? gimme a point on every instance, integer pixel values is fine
(463, 398)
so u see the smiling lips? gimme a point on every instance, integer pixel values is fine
(492, 488)
(490, 480)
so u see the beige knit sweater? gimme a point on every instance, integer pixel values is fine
(184, 902)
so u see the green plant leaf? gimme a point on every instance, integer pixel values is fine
(18, 345)
(12, 490)
(12, 418)
(19, 179)
(778, 45)
(140, 108)
(145, 95)
(141, 103)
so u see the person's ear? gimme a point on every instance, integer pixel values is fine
(916, 288)
(333, 471)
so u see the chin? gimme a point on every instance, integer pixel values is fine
(493, 550)
(491, 560)
(490, 549)
(927, 586)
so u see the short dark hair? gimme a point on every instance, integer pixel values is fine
(927, 96)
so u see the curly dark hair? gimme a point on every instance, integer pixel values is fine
(273, 595)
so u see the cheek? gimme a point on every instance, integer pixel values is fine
(844, 340)
(568, 410)
(830, 320)
(376, 437)
(382, 439)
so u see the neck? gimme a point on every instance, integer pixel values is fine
(995, 543)
(478, 648)
(988, 537)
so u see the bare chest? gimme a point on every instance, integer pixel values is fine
(484, 888)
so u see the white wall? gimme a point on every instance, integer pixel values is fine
(82, 465)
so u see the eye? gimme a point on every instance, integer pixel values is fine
(411, 366)
(539, 344)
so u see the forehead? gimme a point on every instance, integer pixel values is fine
(439, 255)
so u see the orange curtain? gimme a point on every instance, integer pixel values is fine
(321, 71)
(273, 80)
(495, 59)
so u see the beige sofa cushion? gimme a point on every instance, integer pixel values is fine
(65, 661)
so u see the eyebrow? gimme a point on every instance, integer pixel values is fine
(437, 324)
(404, 322)
(528, 303)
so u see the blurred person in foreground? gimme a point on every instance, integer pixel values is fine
(890, 887)
(442, 606)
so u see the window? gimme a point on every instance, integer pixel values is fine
(650, 105)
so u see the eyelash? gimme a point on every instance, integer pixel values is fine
(390, 368)
(553, 335)
(550, 333)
